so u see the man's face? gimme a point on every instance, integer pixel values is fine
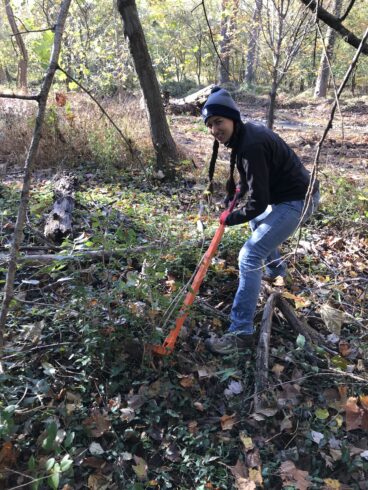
(221, 128)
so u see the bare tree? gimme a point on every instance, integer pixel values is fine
(164, 145)
(31, 156)
(229, 10)
(22, 82)
(283, 28)
(324, 69)
(253, 38)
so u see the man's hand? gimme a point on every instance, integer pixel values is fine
(224, 216)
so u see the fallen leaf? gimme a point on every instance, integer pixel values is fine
(332, 318)
(344, 348)
(172, 453)
(299, 301)
(292, 476)
(140, 468)
(193, 426)
(199, 406)
(127, 414)
(246, 441)
(354, 414)
(8, 455)
(278, 369)
(331, 484)
(98, 482)
(228, 421)
(95, 449)
(234, 388)
(186, 381)
(256, 476)
(364, 401)
(317, 436)
(97, 424)
(286, 424)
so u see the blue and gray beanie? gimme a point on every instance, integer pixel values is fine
(220, 103)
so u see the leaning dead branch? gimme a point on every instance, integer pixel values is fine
(261, 381)
(31, 156)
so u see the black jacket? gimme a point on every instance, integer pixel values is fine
(269, 170)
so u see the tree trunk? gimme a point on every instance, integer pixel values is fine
(228, 22)
(272, 106)
(164, 145)
(22, 82)
(252, 44)
(225, 44)
(324, 69)
(31, 156)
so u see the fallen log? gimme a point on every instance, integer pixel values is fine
(192, 104)
(59, 221)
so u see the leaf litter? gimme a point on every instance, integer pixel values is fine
(76, 386)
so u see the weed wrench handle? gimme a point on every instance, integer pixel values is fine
(169, 342)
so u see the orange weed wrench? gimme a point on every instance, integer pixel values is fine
(169, 343)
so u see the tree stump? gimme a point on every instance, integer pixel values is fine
(59, 221)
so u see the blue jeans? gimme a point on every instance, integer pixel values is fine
(269, 230)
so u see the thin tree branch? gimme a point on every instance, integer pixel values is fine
(22, 97)
(38, 30)
(347, 12)
(212, 39)
(336, 24)
(31, 156)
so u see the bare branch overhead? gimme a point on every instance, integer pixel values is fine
(336, 24)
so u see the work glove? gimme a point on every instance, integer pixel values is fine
(224, 216)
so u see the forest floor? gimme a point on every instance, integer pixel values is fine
(82, 407)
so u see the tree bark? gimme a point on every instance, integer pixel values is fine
(324, 68)
(252, 44)
(336, 24)
(263, 348)
(22, 82)
(31, 156)
(59, 221)
(164, 145)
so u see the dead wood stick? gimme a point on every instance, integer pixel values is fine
(80, 255)
(263, 348)
(202, 305)
(307, 331)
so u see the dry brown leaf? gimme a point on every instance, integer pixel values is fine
(199, 406)
(364, 401)
(186, 381)
(344, 348)
(8, 455)
(98, 482)
(291, 475)
(332, 318)
(256, 476)
(356, 417)
(193, 426)
(228, 421)
(240, 473)
(97, 424)
(278, 369)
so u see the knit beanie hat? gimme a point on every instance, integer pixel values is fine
(220, 103)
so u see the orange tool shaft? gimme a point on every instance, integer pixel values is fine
(169, 343)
